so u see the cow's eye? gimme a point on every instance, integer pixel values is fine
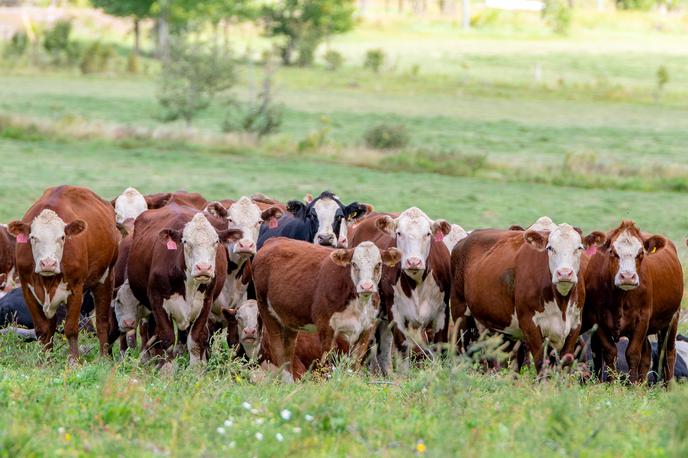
(428, 234)
(398, 234)
(260, 222)
(355, 265)
(580, 247)
(550, 249)
(62, 238)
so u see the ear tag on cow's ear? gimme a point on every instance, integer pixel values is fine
(591, 250)
(272, 222)
(439, 235)
(22, 238)
(171, 245)
(654, 248)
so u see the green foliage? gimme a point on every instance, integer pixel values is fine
(374, 59)
(303, 24)
(387, 136)
(333, 59)
(58, 44)
(191, 79)
(642, 5)
(261, 117)
(17, 45)
(96, 57)
(558, 16)
(317, 138)
(137, 8)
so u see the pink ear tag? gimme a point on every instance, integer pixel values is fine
(591, 250)
(22, 238)
(272, 223)
(439, 235)
(171, 245)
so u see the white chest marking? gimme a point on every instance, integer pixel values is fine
(358, 317)
(424, 307)
(185, 311)
(554, 326)
(50, 304)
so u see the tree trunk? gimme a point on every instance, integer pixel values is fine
(466, 14)
(137, 36)
(164, 31)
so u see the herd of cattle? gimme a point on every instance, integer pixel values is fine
(292, 283)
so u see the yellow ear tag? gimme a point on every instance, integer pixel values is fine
(654, 248)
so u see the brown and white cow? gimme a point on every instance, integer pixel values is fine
(456, 234)
(525, 285)
(8, 280)
(67, 242)
(176, 268)
(415, 294)
(302, 286)
(634, 289)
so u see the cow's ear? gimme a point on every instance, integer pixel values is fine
(230, 235)
(391, 256)
(516, 227)
(536, 239)
(170, 235)
(215, 208)
(113, 202)
(158, 200)
(386, 224)
(19, 227)
(595, 238)
(579, 230)
(296, 207)
(308, 198)
(76, 227)
(342, 257)
(442, 226)
(355, 211)
(272, 212)
(126, 227)
(229, 314)
(654, 243)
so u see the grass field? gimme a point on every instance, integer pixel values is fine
(474, 94)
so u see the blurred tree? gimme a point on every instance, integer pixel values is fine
(304, 24)
(137, 9)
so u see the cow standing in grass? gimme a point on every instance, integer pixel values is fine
(67, 242)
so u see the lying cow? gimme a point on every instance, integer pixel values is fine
(67, 243)
(525, 285)
(634, 289)
(7, 263)
(304, 286)
(414, 294)
(322, 221)
(176, 268)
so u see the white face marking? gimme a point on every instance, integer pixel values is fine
(414, 236)
(325, 209)
(366, 268)
(456, 234)
(50, 304)
(129, 205)
(247, 325)
(543, 223)
(423, 309)
(244, 215)
(200, 247)
(127, 308)
(627, 247)
(554, 326)
(47, 239)
(358, 316)
(564, 249)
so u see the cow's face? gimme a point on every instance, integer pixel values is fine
(414, 233)
(200, 241)
(249, 327)
(564, 247)
(46, 234)
(366, 265)
(129, 205)
(627, 250)
(126, 308)
(325, 212)
(247, 216)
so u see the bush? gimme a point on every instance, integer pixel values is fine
(132, 63)
(96, 58)
(387, 136)
(642, 5)
(558, 16)
(374, 60)
(333, 59)
(17, 45)
(58, 44)
(318, 138)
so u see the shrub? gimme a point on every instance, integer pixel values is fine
(132, 63)
(96, 58)
(558, 16)
(57, 42)
(374, 60)
(333, 59)
(662, 80)
(642, 5)
(387, 136)
(317, 138)
(17, 45)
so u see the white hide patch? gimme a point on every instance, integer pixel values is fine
(184, 312)
(514, 329)
(274, 314)
(414, 237)
(326, 209)
(553, 325)
(358, 317)
(50, 304)
(425, 307)
(244, 214)
(564, 249)
(129, 205)
(627, 248)
(543, 223)
(456, 234)
(47, 238)
(104, 277)
(200, 242)
(366, 266)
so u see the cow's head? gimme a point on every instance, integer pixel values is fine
(366, 265)
(249, 327)
(199, 240)
(327, 217)
(126, 308)
(564, 245)
(129, 205)
(543, 223)
(626, 249)
(456, 234)
(414, 233)
(46, 234)
(244, 214)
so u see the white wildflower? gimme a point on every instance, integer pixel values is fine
(285, 414)
(308, 418)
(279, 437)
(259, 436)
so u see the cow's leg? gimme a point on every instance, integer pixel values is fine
(634, 350)
(274, 331)
(645, 360)
(362, 346)
(533, 338)
(71, 325)
(199, 335)
(44, 327)
(102, 296)
(114, 333)
(384, 348)
(669, 361)
(604, 355)
(164, 330)
(567, 351)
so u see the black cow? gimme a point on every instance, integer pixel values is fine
(15, 316)
(323, 221)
